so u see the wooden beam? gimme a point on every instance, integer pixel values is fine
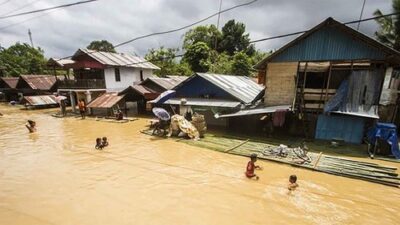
(329, 81)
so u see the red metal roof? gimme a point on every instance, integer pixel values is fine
(106, 100)
(39, 82)
(10, 81)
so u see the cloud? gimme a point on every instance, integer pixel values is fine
(61, 32)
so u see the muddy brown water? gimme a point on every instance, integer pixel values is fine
(55, 176)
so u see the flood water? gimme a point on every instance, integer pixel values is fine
(56, 177)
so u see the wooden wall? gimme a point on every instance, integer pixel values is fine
(280, 83)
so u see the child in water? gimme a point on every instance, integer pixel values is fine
(104, 143)
(99, 144)
(292, 183)
(251, 167)
(31, 125)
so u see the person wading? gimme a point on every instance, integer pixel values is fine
(82, 108)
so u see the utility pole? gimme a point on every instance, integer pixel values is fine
(361, 14)
(30, 37)
(219, 16)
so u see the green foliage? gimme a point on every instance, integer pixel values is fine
(207, 34)
(22, 59)
(221, 63)
(234, 39)
(241, 64)
(234, 53)
(163, 58)
(102, 45)
(389, 32)
(197, 56)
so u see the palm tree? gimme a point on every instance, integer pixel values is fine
(389, 32)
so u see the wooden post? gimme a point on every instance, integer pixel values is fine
(237, 146)
(329, 81)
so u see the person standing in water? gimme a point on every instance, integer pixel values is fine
(82, 108)
(31, 126)
(251, 167)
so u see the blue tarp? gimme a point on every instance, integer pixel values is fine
(387, 132)
(338, 99)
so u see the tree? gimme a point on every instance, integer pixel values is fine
(241, 64)
(22, 59)
(197, 56)
(208, 34)
(234, 39)
(163, 58)
(222, 63)
(102, 45)
(389, 32)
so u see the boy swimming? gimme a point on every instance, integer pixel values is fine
(251, 167)
(292, 183)
(31, 125)
(99, 144)
(104, 142)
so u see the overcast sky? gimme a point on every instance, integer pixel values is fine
(61, 32)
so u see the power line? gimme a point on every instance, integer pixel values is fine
(361, 14)
(26, 20)
(174, 30)
(21, 7)
(5, 2)
(303, 31)
(47, 9)
(184, 27)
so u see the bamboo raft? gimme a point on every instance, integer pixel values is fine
(367, 171)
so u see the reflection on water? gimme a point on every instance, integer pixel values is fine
(56, 177)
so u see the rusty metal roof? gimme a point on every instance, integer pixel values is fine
(146, 92)
(40, 100)
(11, 82)
(39, 82)
(117, 59)
(106, 100)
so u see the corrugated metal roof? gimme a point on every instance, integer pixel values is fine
(40, 82)
(40, 100)
(106, 100)
(241, 87)
(331, 40)
(203, 102)
(10, 81)
(167, 82)
(146, 92)
(117, 59)
(59, 62)
(255, 111)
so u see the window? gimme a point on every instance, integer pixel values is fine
(141, 75)
(117, 75)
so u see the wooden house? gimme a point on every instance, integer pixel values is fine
(335, 78)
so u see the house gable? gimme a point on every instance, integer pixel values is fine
(198, 87)
(329, 43)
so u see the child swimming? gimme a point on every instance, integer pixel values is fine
(99, 144)
(251, 167)
(31, 125)
(292, 183)
(104, 142)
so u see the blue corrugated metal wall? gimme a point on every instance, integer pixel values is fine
(348, 128)
(199, 86)
(329, 44)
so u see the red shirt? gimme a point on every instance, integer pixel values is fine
(250, 169)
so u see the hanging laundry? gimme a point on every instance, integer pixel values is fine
(279, 117)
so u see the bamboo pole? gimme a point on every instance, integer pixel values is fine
(317, 161)
(237, 146)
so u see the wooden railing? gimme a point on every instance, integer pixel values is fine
(82, 84)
